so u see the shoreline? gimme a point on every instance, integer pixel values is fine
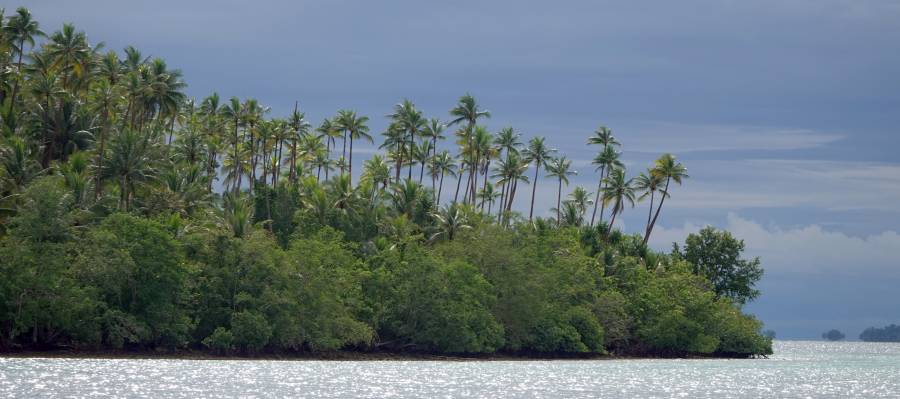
(327, 356)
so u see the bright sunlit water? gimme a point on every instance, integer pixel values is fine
(797, 370)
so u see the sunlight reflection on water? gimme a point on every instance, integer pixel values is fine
(798, 370)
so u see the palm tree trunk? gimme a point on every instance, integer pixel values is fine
(558, 198)
(458, 182)
(658, 208)
(350, 163)
(597, 197)
(652, 192)
(537, 168)
(599, 189)
(98, 187)
(12, 102)
(344, 154)
(437, 200)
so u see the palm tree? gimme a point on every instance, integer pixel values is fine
(443, 164)
(450, 221)
(19, 30)
(377, 172)
(355, 127)
(508, 140)
(234, 111)
(69, 51)
(237, 213)
(617, 191)
(467, 111)
(668, 168)
(607, 160)
(580, 198)
(409, 120)
(130, 162)
(300, 130)
(487, 195)
(328, 131)
(510, 172)
(560, 168)
(648, 184)
(603, 136)
(538, 153)
(433, 131)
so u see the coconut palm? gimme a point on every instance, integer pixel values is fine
(581, 199)
(604, 138)
(300, 129)
(377, 172)
(607, 160)
(648, 184)
(130, 162)
(467, 111)
(20, 29)
(537, 153)
(488, 195)
(450, 221)
(507, 140)
(234, 112)
(411, 122)
(510, 172)
(560, 168)
(237, 213)
(617, 191)
(355, 128)
(669, 169)
(443, 164)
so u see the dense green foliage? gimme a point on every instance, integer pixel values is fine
(889, 333)
(717, 256)
(133, 218)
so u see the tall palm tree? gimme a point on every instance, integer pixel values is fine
(329, 132)
(607, 160)
(648, 184)
(668, 168)
(433, 131)
(487, 195)
(481, 149)
(507, 140)
(618, 191)
(560, 168)
(468, 111)
(234, 111)
(510, 172)
(443, 164)
(538, 153)
(300, 128)
(604, 138)
(377, 172)
(19, 30)
(355, 128)
(411, 121)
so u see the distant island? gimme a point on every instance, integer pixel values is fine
(134, 218)
(889, 333)
(833, 335)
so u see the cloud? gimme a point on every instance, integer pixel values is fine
(804, 250)
(657, 137)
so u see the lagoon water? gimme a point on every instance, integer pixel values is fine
(797, 370)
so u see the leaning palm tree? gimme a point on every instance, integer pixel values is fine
(617, 191)
(604, 138)
(668, 168)
(538, 153)
(648, 184)
(560, 168)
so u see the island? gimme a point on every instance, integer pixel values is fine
(833, 335)
(890, 333)
(136, 219)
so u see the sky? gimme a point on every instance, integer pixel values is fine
(786, 113)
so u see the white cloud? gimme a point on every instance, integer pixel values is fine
(806, 250)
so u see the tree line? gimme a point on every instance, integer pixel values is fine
(133, 216)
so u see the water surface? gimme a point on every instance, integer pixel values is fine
(797, 370)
